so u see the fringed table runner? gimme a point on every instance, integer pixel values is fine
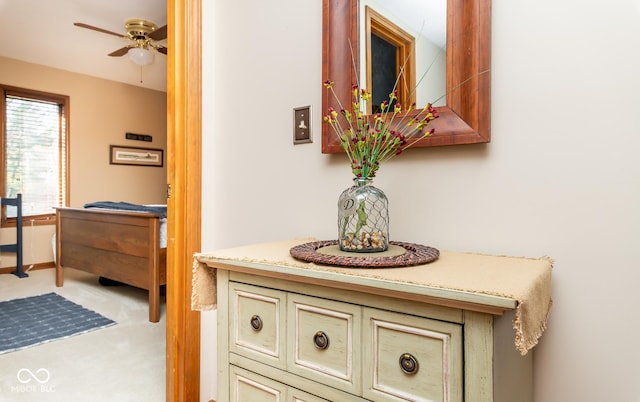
(527, 281)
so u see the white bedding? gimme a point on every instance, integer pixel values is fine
(163, 232)
(163, 226)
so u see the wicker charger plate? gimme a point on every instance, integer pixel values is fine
(400, 254)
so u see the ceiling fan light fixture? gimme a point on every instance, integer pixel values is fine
(141, 56)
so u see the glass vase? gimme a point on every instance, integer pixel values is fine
(363, 218)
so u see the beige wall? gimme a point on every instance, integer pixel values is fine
(561, 176)
(102, 112)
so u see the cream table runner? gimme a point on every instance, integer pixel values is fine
(525, 280)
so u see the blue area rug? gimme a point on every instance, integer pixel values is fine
(34, 320)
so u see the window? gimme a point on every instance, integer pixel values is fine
(34, 158)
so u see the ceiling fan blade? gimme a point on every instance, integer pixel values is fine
(120, 52)
(159, 34)
(161, 49)
(81, 25)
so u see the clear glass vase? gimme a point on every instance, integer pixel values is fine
(363, 218)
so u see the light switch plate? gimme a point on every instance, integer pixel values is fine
(302, 125)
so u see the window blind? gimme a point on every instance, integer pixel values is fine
(34, 147)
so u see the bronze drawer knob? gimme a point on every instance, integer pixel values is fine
(321, 340)
(256, 322)
(408, 363)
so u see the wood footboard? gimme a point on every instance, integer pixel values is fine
(119, 245)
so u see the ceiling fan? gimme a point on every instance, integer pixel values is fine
(143, 36)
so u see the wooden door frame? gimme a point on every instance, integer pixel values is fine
(405, 44)
(184, 171)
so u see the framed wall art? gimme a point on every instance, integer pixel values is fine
(121, 155)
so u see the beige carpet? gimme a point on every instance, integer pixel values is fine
(124, 362)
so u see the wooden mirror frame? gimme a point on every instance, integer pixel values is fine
(466, 119)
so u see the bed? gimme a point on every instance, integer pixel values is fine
(122, 245)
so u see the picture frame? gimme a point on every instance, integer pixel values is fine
(135, 156)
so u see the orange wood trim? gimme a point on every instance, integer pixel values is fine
(36, 267)
(184, 166)
(379, 25)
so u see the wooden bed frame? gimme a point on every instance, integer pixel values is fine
(120, 245)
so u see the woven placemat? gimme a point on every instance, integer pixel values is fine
(400, 254)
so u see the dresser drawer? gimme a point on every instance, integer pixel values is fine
(247, 386)
(325, 341)
(411, 358)
(295, 395)
(257, 324)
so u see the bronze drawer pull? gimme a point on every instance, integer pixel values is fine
(256, 322)
(408, 363)
(321, 340)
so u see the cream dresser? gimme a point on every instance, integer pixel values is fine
(294, 331)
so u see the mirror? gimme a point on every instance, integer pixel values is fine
(407, 35)
(466, 117)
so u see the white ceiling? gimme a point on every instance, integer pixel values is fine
(429, 18)
(42, 32)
